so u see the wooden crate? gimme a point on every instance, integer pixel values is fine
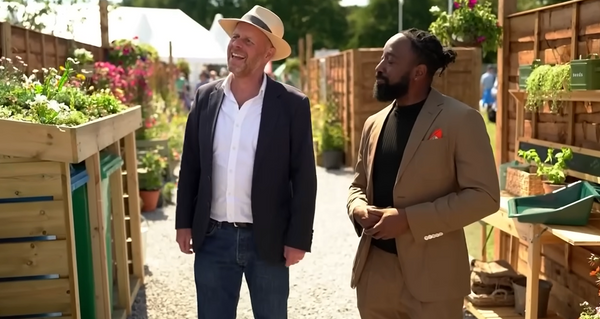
(37, 246)
(67, 144)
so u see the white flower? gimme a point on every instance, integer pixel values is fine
(34, 71)
(55, 106)
(434, 9)
(39, 99)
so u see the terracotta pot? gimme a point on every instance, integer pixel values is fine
(549, 188)
(149, 200)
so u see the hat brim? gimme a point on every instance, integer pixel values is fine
(282, 48)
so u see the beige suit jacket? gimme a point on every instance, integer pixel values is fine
(443, 185)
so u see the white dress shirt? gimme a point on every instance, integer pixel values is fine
(234, 146)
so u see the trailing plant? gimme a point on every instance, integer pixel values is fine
(552, 169)
(153, 166)
(472, 22)
(547, 83)
(55, 97)
(184, 67)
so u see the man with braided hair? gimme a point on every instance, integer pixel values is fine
(425, 170)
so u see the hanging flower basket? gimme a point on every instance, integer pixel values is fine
(471, 24)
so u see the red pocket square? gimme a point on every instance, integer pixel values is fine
(437, 134)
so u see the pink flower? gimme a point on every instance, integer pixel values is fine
(456, 5)
(472, 4)
(480, 39)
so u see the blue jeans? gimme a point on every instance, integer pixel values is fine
(226, 254)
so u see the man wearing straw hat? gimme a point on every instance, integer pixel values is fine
(247, 186)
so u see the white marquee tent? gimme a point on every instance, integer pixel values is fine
(153, 26)
(218, 33)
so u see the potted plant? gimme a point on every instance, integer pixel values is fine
(471, 24)
(552, 170)
(547, 83)
(151, 178)
(588, 311)
(585, 73)
(331, 145)
(525, 71)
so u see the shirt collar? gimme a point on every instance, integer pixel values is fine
(229, 78)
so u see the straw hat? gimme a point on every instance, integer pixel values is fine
(267, 22)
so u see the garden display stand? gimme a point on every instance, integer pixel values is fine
(39, 274)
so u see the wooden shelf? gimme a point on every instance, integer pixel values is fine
(583, 96)
(573, 235)
(497, 312)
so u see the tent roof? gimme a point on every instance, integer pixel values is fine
(153, 26)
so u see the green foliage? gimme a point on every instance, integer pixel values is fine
(471, 22)
(553, 167)
(184, 67)
(547, 83)
(51, 97)
(83, 56)
(167, 192)
(327, 128)
(153, 166)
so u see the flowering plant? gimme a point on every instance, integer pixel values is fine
(127, 52)
(472, 23)
(51, 96)
(107, 76)
(153, 166)
(587, 311)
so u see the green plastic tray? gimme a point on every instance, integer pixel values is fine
(570, 206)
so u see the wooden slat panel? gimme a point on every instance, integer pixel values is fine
(32, 219)
(34, 297)
(34, 259)
(18, 180)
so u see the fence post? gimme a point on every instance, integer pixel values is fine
(6, 40)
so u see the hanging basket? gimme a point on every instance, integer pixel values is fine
(467, 44)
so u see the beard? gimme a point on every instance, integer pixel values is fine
(387, 92)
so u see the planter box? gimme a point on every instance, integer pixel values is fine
(523, 182)
(66, 144)
(525, 72)
(585, 74)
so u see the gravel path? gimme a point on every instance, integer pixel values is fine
(320, 284)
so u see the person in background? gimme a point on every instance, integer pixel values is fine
(410, 228)
(248, 185)
(213, 76)
(187, 98)
(486, 84)
(203, 80)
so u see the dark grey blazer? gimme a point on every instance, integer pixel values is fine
(284, 183)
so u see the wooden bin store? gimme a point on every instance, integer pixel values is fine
(43, 168)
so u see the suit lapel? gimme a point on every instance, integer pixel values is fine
(215, 100)
(372, 145)
(425, 119)
(268, 121)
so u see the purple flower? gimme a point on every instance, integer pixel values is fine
(472, 4)
(456, 5)
(480, 39)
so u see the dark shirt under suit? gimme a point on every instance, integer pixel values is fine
(388, 156)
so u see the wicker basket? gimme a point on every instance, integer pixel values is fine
(523, 183)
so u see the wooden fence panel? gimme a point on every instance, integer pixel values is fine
(350, 77)
(40, 50)
(554, 34)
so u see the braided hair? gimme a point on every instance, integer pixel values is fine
(429, 50)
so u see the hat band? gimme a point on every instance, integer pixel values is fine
(257, 22)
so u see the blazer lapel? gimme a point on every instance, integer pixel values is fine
(425, 119)
(268, 121)
(372, 145)
(215, 100)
